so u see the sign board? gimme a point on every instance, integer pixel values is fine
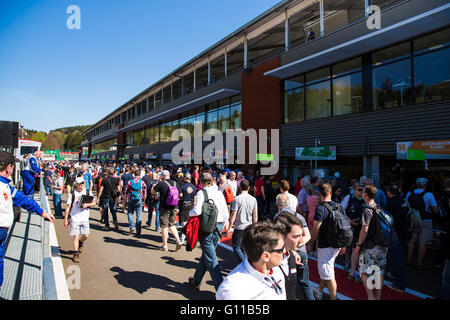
(167, 156)
(423, 150)
(136, 156)
(264, 157)
(48, 157)
(319, 153)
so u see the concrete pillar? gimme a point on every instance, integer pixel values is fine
(322, 24)
(287, 33)
(371, 168)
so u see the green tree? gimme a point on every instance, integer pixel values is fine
(39, 136)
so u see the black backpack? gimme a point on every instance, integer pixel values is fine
(208, 218)
(416, 202)
(340, 233)
(383, 232)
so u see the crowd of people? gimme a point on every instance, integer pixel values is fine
(276, 225)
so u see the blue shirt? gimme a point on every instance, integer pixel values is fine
(87, 178)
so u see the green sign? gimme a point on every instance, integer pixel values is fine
(312, 153)
(264, 157)
(416, 154)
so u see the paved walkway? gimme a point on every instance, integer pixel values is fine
(115, 265)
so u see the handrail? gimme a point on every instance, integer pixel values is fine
(48, 276)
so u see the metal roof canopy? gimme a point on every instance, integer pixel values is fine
(423, 23)
(209, 98)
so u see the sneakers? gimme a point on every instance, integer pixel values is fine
(80, 246)
(317, 293)
(354, 277)
(130, 232)
(76, 257)
(193, 285)
(163, 249)
(116, 225)
(179, 245)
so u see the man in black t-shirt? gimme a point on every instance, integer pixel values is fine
(167, 213)
(187, 200)
(326, 254)
(107, 197)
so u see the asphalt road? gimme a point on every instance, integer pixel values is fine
(117, 266)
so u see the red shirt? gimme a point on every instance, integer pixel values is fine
(258, 184)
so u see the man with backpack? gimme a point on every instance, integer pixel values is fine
(169, 192)
(187, 200)
(353, 204)
(372, 252)
(425, 204)
(152, 201)
(212, 210)
(333, 230)
(109, 190)
(135, 194)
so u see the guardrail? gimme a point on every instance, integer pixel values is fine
(48, 276)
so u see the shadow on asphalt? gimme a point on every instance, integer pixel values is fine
(131, 243)
(143, 281)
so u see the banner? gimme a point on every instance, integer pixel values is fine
(319, 153)
(423, 150)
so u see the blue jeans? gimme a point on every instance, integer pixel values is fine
(208, 260)
(3, 235)
(237, 240)
(445, 290)
(398, 262)
(57, 204)
(261, 207)
(137, 206)
(150, 206)
(303, 277)
(48, 190)
(111, 205)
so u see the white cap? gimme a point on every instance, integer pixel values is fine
(79, 180)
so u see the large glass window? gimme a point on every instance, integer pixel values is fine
(200, 121)
(188, 83)
(392, 85)
(190, 125)
(432, 76)
(294, 105)
(223, 115)
(318, 100)
(294, 82)
(211, 119)
(236, 115)
(347, 94)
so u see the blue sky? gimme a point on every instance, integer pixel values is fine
(52, 77)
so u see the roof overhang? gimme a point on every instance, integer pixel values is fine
(209, 98)
(415, 26)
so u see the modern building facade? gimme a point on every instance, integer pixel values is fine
(320, 71)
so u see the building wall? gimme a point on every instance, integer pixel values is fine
(366, 133)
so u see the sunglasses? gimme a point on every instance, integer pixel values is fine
(278, 250)
(360, 189)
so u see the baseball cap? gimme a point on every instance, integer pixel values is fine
(420, 182)
(79, 180)
(7, 158)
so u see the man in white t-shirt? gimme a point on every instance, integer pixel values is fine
(256, 278)
(79, 217)
(233, 183)
(284, 189)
